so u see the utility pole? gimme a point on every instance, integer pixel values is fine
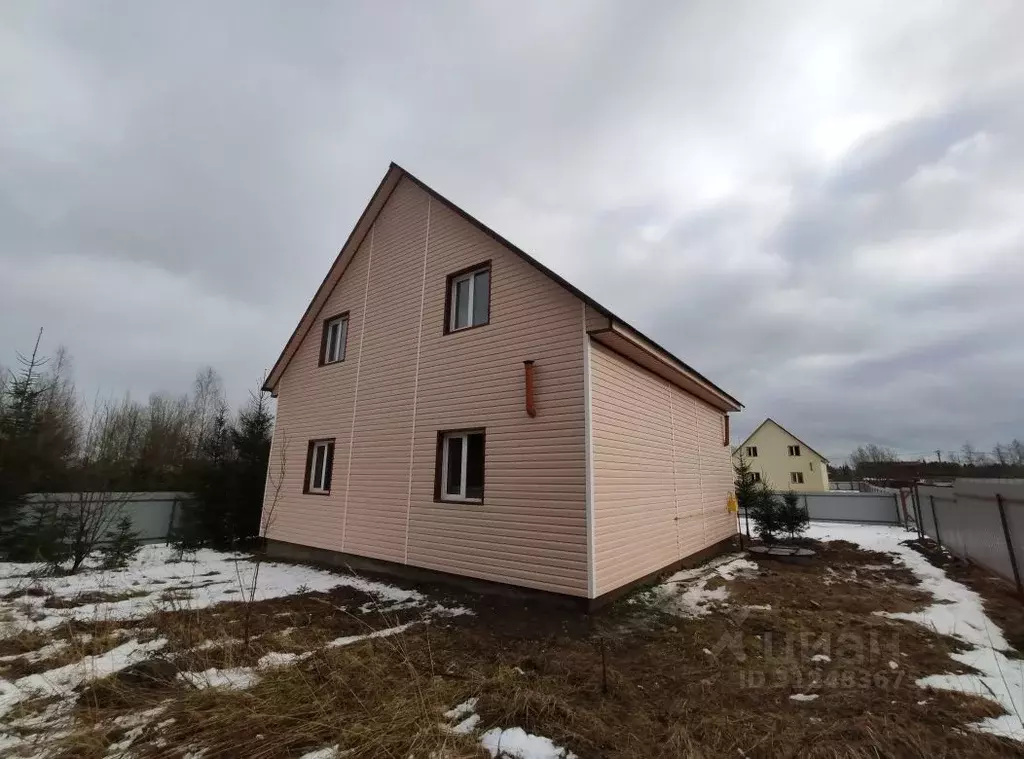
(938, 453)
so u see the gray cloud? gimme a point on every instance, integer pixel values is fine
(815, 204)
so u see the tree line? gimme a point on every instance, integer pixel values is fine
(875, 461)
(52, 441)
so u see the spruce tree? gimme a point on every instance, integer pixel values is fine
(744, 485)
(208, 524)
(793, 519)
(766, 513)
(20, 454)
(251, 441)
(121, 546)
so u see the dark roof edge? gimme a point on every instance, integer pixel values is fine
(560, 280)
(380, 186)
(501, 240)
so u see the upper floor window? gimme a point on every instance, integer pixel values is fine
(794, 450)
(468, 298)
(334, 339)
(752, 451)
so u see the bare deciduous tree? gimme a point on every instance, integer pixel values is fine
(90, 515)
(274, 484)
(872, 454)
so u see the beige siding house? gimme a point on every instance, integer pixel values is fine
(447, 403)
(783, 460)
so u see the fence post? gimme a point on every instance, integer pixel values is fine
(1009, 544)
(896, 504)
(917, 510)
(935, 518)
(170, 523)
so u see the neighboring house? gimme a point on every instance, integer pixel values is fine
(777, 455)
(447, 403)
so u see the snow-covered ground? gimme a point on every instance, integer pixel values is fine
(153, 583)
(957, 611)
(686, 592)
(512, 742)
(156, 583)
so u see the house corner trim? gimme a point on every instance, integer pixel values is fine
(589, 452)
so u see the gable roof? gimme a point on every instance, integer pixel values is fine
(396, 173)
(769, 419)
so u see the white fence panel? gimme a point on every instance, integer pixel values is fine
(153, 514)
(850, 506)
(967, 520)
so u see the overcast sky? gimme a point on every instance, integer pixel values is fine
(818, 205)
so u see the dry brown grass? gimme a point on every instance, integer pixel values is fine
(660, 694)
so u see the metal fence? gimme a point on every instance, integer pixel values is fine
(851, 506)
(981, 521)
(843, 485)
(153, 514)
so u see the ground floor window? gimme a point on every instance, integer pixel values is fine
(756, 476)
(319, 464)
(460, 466)
(796, 478)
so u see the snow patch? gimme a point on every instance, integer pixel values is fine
(466, 707)
(212, 578)
(686, 592)
(281, 659)
(350, 639)
(803, 697)
(467, 725)
(234, 677)
(516, 743)
(327, 752)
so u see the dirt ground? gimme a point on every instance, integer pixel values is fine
(635, 680)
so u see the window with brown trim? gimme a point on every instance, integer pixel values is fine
(725, 430)
(459, 472)
(794, 450)
(319, 466)
(334, 340)
(752, 451)
(796, 478)
(468, 298)
(755, 476)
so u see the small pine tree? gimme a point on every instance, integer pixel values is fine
(766, 513)
(792, 517)
(187, 534)
(42, 537)
(745, 485)
(251, 441)
(21, 397)
(121, 546)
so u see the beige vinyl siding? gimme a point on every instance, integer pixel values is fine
(316, 402)
(661, 472)
(413, 380)
(378, 486)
